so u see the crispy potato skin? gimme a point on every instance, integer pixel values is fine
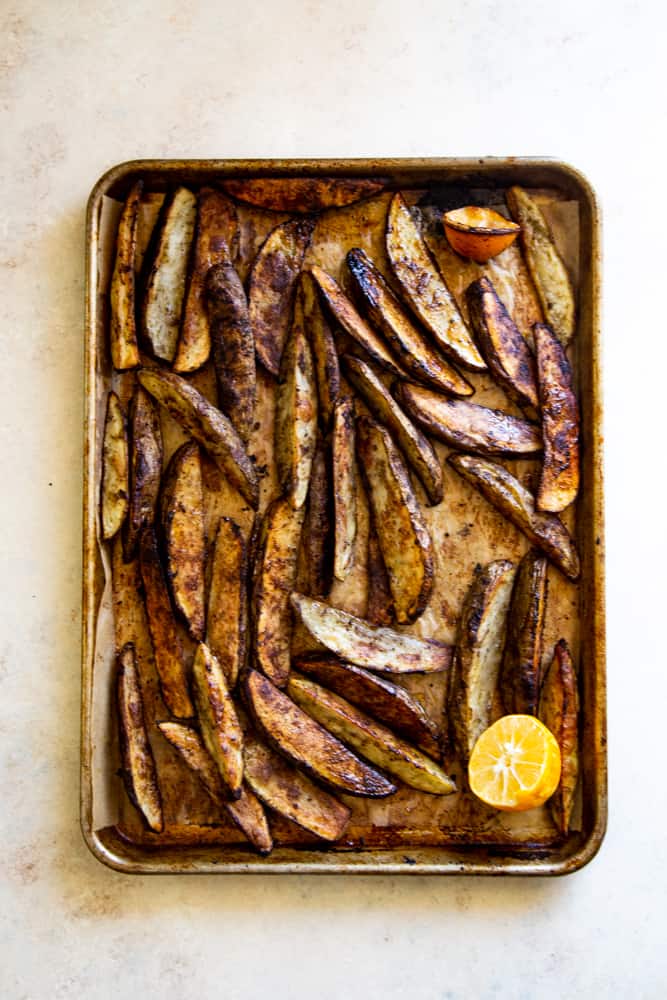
(123, 327)
(559, 483)
(318, 526)
(506, 494)
(520, 672)
(145, 469)
(220, 727)
(406, 545)
(139, 773)
(344, 486)
(380, 606)
(302, 194)
(559, 710)
(115, 486)
(297, 736)
(227, 613)
(271, 288)
(504, 349)
(325, 356)
(185, 536)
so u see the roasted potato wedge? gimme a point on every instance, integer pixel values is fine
(207, 425)
(115, 488)
(386, 313)
(559, 483)
(182, 513)
(384, 701)
(344, 486)
(479, 650)
(503, 347)
(369, 738)
(162, 303)
(165, 637)
(220, 727)
(233, 347)
(520, 671)
(297, 736)
(356, 641)
(138, 763)
(123, 326)
(406, 545)
(559, 710)
(227, 612)
(271, 288)
(302, 194)
(547, 270)
(323, 345)
(517, 504)
(282, 787)
(145, 469)
(318, 526)
(276, 563)
(380, 604)
(424, 288)
(469, 426)
(417, 451)
(216, 242)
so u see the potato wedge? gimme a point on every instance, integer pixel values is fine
(302, 194)
(123, 326)
(162, 302)
(380, 604)
(297, 736)
(546, 267)
(356, 641)
(344, 313)
(424, 288)
(227, 612)
(369, 738)
(503, 347)
(479, 650)
(387, 314)
(325, 356)
(115, 486)
(559, 483)
(138, 763)
(274, 576)
(317, 529)
(517, 504)
(216, 242)
(283, 788)
(469, 426)
(406, 545)
(344, 486)
(559, 711)
(182, 513)
(220, 727)
(145, 469)
(520, 671)
(165, 637)
(207, 425)
(246, 811)
(384, 701)
(417, 451)
(271, 288)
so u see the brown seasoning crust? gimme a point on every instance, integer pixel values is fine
(559, 710)
(520, 671)
(380, 605)
(138, 763)
(318, 526)
(182, 516)
(227, 611)
(323, 346)
(123, 327)
(145, 469)
(220, 727)
(559, 484)
(302, 194)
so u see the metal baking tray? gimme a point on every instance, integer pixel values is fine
(454, 850)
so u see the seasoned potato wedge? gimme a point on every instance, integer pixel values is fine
(302, 194)
(469, 426)
(138, 763)
(547, 270)
(114, 491)
(380, 605)
(559, 483)
(504, 349)
(220, 727)
(145, 468)
(282, 787)
(164, 291)
(297, 736)
(325, 356)
(424, 288)
(216, 242)
(165, 637)
(406, 545)
(369, 738)
(417, 451)
(344, 465)
(271, 288)
(123, 327)
(318, 526)
(517, 504)
(520, 671)
(356, 641)
(182, 513)
(233, 347)
(207, 425)
(227, 612)
(479, 650)
(296, 412)
(559, 710)
(385, 312)
(384, 701)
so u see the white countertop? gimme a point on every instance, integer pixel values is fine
(86, 85)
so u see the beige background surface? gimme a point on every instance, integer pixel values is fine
(84, 85)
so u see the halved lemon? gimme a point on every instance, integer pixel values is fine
(479, 233)
(515, 764)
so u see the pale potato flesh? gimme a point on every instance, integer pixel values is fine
(344, 465)
(227, 610)
(122, 322)
(220, 728)
(115, 469)
(185, 536)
